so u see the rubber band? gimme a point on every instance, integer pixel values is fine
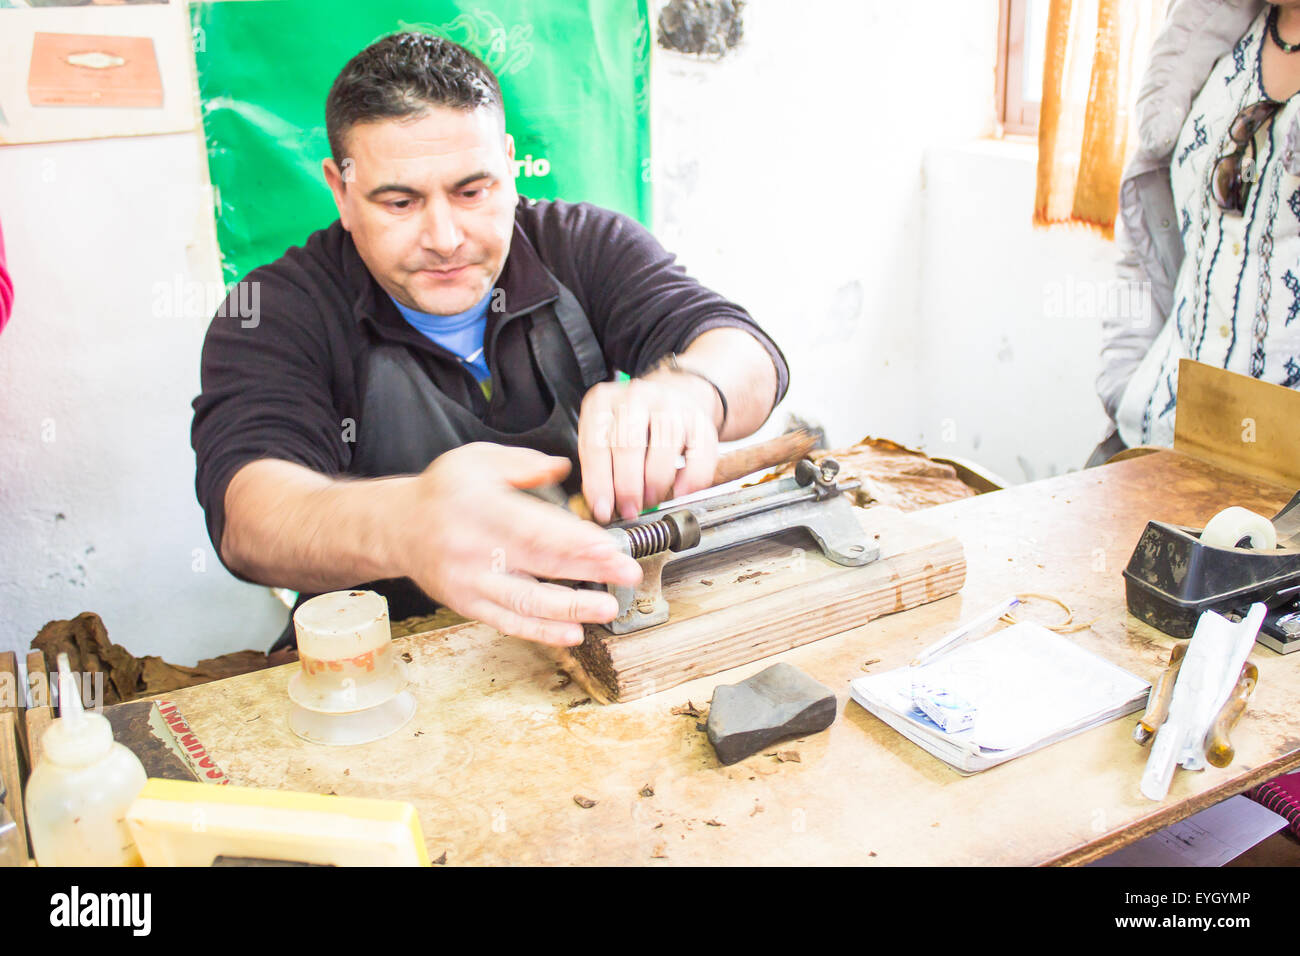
(1064, 627)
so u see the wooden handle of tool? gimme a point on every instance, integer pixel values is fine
(793, 445)
(578, 505)
(1218, 748)
(1157, 711)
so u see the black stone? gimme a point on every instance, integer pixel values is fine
(705, 27)
(778, 702)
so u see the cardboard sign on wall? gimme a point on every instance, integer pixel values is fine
(152, 91)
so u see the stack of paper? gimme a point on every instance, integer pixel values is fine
(1029, 687)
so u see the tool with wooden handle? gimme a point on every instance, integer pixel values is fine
(1206, 680)
(793, 445)
(1219, 750)
(811, 501)
(1158, 703)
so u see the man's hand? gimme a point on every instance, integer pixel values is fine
(477, 545)
(461, 530)
(466, 534)
(633, 435)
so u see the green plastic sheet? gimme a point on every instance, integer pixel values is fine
(574, 75)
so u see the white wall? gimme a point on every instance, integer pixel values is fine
(815, 175)
(789, 177)
(831, 175)
(1012, 318)
(97, 506)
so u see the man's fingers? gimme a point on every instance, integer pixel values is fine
(667, 438)
(520, 467)
(528, 598)
(555, 633)
(701, 456)
(631, 433)
(547, 542)
(595, 428)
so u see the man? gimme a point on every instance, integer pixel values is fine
(447, 343)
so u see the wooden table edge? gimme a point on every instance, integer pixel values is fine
(1174, 813)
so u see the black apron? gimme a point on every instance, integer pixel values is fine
(406, 422)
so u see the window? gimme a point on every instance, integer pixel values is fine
(1022, 37)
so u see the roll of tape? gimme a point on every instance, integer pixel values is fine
(1230, 525)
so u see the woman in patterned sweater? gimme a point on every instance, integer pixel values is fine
(1210, 217)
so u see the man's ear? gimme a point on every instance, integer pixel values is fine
(337, 180)
(510, 147)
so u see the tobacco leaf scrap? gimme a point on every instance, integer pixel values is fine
(894, 475)
(687, 709)
(85, 640)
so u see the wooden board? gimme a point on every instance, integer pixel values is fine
(749, 602)
(37, 721)
(1238, 422)
(13, 741)
(40, 712)
(500, 744)
(12, 696)
(13, 700)
(38, 681)
(12, 775)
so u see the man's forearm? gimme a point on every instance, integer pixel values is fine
(742, 368)
(288, 526)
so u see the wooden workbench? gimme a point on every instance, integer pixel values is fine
(495, 754)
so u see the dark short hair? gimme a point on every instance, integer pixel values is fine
(402, 75)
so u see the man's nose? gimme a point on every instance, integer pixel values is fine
(442, 234)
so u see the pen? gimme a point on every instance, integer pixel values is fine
(976, 626)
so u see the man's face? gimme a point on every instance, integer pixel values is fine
(430, 204)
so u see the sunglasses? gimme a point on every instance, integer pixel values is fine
(1234, 173)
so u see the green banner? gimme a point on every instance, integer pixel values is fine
(575, 77)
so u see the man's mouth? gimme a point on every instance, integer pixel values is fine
(446, 272)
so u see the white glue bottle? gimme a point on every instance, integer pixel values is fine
(79, 792)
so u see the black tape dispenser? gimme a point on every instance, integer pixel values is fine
(1239, 557)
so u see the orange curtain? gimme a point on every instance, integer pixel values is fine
(1095, 55)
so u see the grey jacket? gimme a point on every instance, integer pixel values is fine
(1195, 35)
